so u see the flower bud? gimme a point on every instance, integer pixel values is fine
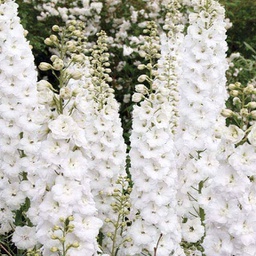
(55, 28)
(43, 84)
(58, 64)
(71, 218)
(77, 33)
(75, 245)
(65, 93)
(227, 113)
(44, 66)
(244, 112)
(251, 104)
(48, 41)
(54, 249)
(71, 28)
(231, 87)
(253, 114)
(142, 78)
(141, 88)
(54, 38)
(76, 75)
(78, 57)
(54, 57)
(249, 89)
(71, 46)
(141, 66)
(234, 93)
(137, 97)
(142, 54)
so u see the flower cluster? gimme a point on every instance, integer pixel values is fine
(17, 108)
(105, 137)
(229, 215)
(85, 11)
(61, 182)
(202, 97)
(155, 227)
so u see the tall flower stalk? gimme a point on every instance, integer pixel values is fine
(18, 101)
(154, 229)
(202, 97)
(107, 162)
(63, 210)
(230, 220)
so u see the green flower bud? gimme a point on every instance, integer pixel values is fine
(48, 41)
(253, 114)
(251, 105)
(55, 28)
(44, 66)
(54, 38)
(227, 113)
(75, 245)
(234, 93)
(142, 78)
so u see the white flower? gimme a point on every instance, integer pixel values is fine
(137, 97)
(252, 135)
(66, 191)
(97, 6)
(233, 133)
(62, 127)
(86, 228)
(54, 151)
(192, 230)
(127, 50)
(243, 160)
(74, 165)
(24, 237)
(218, 242)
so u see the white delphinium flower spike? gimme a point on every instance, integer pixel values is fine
(202, 98)
(18, 133)
(104, 134)
(64, 212)
(155, 227)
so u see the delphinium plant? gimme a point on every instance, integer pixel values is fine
(154, 226)
(107, 163)
(18, 139)
(230, 212)
(63, 211)
(202, 97)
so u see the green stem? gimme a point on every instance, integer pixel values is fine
(115, 235)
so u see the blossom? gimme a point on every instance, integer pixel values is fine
(252, 135)
(62, 127)
(233, 134)
(24, 237)
(243, 159)
(192, 230)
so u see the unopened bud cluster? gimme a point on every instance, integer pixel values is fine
(66, 63)
(65, 228)
(243, 105)
(100, 68)
(150, 51)
(120, 206)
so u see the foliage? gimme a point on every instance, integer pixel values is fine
(242, 15)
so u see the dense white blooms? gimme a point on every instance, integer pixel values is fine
(202, 97)
(86, 11)
(153, 166)
(18, 99)
(104, 134)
